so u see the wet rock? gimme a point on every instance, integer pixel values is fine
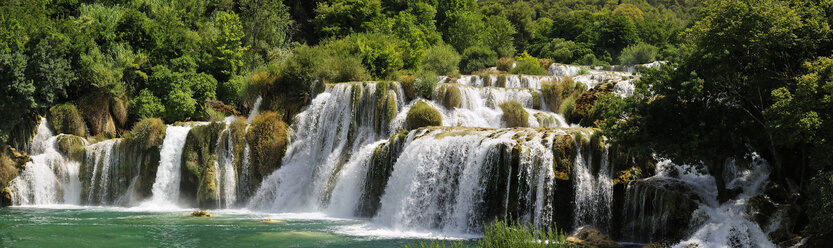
(658, 209)
(760, 209)
(200, 213)
(591, 237)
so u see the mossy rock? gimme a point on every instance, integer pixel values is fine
(71, 146)
(514, 114)
(584, 103)
(197, 157)
(147, 133)
(118, 109)
(208, 188)
(564, 155)
(423, 115)
(408, 83)
(536, 100)
(268, 140)
(9, 168)
(386, 108)
(452, 98)
(201, 213)
(95, 108)
(65, 118)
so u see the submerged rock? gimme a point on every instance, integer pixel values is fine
(201, 213)
(590, 237)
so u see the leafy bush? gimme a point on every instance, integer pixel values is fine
(425, 83)
(146, 105)
(179, 106)
(505, 64)
(442, 59)
(147, 133)
(423, 115)
(451, 97)
(526, 64)
(476, 58)
(65, 118)
(269, 139)
(641, 53)
(514, 114)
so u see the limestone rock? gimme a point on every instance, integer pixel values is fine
(592, 238)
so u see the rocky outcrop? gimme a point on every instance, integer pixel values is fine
(658, 209)
(197, 163)
(591, 238)
(66, 119)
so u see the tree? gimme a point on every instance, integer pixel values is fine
(476, 58)
(520, 14)
(526, 64)
(442, 59)
(146, 105)
(18, 92)
(638, 54)
(498, 36)
(344, 17)
(228, 45)
(267, 27)
(464, 30)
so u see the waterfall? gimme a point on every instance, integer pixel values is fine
(226, 178)
(102, 169)
(348, 190)
(255, 108)
(166, 186)
(245, 185)
(50, 177)
(338, 122)
(449, 180)
(593, 187)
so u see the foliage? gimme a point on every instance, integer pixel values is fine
(147, 133)
(476, 58)
(146, 105)
(504, 64)
(442, 59)
(18, 92)
(179, 105)
(423, 115)
(425, 83)
(269, 138)
(341, 18)
(526, 64)
(507, 234)
(514, 114)
(641, 53)
(65, 118)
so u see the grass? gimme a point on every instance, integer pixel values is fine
(506, 234)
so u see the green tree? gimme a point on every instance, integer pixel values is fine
(18, 92)
(267, 27)
(146, 105)
(228, 49)
(340, 18)
(499, 36)
(526, 64)
(179, 106)
(476, 58)
(638, 54)
(442, 59)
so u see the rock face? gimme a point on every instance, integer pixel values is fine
(657, 208)
(592, 238)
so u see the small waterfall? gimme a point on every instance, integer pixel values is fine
(348, 191)
(50, 177)
(226, 178)
(727, 224)
(324, 138)
(246, 173)
(593, 186)
(166, 186)
(452, 180)
(255, 108)
(501, 81)
(103, 173)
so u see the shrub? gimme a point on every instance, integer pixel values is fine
(268, 139)
(514, 114)
(508, 234)
(442, 59)
(451, 97)
(408, 85)
(179, 106)
(505, 64)
(146, 105)
(423, 115)
(641, 53)
(204, 88)
(65, 118)
(147, 133)
(526, 64)
(118, 109)
(425, 83)
(231, 92)
(554, 92)
(476, 58)
(346, 68)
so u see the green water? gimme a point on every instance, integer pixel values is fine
(112, 227)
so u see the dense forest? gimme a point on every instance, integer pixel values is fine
(741, 76)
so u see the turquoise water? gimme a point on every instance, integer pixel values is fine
(123, 227)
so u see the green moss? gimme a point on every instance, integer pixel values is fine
(118, 109)
(268, 140)
(514, 114)
(564, 156)
(385, 104)
(582, 112)
(70, 145)
(452, 98)
(423, 115)
(65, 118)
(390, 107)
(197, 155)
(567, 106)
(147, 133)
(408, 83)
(536, 100)
(501, 81)
(207, 192)
(95, 108)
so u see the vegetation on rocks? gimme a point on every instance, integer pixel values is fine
(65, 118)
(450, 97)
(514, 114)
(423, 115)
(197, 163)
(268, 137)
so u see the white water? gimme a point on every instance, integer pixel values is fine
(226, 178)
(102, 156)
(255, 108)
(727, 225)
(593, 191)
(49, 178)
(333, 127)
(348, 189)
(168, 175)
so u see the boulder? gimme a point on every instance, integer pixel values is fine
(423, 115)
(658, 209)
(590, 237)
(200, 213)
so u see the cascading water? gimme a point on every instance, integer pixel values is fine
(50, 177)
(255, 108)
(226, 177)
(166, 186)
(593, 188)
(103, 185)
(324, 137)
